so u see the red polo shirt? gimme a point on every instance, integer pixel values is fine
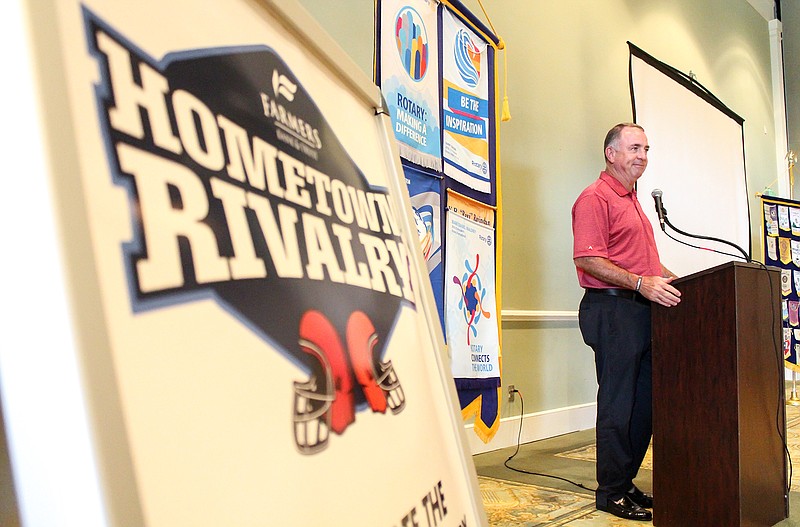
(607, 221)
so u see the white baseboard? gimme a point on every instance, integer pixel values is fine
(535, 426)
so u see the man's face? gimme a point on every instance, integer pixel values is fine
(629, 156)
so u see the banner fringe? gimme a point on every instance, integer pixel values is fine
(413, 155)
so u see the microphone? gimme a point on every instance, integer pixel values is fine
(657, 193)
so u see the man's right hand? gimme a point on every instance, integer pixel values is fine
(658, 289)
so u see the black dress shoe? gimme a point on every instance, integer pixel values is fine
(625, 508)
(640, 498)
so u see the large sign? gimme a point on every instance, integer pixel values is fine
(254, 204)
(264, 306)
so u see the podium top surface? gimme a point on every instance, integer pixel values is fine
(720, 267)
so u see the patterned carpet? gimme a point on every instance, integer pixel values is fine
(588, 453)
(510, 504)
(793, 442)
(513, 504)
(517, 504)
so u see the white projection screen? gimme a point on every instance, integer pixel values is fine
(696, 158)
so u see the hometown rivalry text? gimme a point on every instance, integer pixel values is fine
(339, 224)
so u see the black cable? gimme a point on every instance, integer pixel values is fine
(699, 247)
(701, 237)
(781, 383)
(663, 219)
(519, 438)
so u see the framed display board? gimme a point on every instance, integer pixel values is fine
(780, 236)
(696, 159)
(248, 330)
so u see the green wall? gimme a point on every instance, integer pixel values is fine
(568, 84)
(790, 16)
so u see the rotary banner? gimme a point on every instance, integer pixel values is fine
(781, 244)
(471, 314)
(408, 73)
(470, 310)
(466, 107)
(425, 192)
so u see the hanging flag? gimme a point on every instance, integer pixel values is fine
(794, 215)
(466, 106)
(795, 245)
(471, 311)
(470, 295)
(784, 247)
(771, 219)
(408, 73)
(772, 248)
(425, 191)
(783, 218)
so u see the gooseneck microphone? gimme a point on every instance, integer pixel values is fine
(662, 218)
(657, 193)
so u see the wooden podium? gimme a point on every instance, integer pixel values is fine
(718, 401)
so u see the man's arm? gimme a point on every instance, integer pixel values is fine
(654, 288)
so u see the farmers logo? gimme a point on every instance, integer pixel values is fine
(289, 128)
(240, 192)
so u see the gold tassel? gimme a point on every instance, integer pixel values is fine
(506, 115)
(501, 46)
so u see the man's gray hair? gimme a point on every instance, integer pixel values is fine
(612, 136)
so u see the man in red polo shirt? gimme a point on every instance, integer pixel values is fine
(618, 265)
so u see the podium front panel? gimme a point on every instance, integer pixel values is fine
(718, 402)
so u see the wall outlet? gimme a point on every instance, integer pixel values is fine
(511, 391)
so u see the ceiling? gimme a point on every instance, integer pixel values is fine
(765, 8)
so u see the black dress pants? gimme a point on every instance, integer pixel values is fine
(618, 330)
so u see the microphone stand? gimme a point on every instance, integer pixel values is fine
(700, 237)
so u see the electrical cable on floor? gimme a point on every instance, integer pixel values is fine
(519, 437)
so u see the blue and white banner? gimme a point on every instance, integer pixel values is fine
(408, 73)
(466, 106)
(425, 191)
(470, 306)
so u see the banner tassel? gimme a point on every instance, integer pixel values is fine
(506, 113)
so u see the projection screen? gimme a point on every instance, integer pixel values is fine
(696, 158)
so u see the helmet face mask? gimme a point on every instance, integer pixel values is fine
(312, 415)
(395, 397)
